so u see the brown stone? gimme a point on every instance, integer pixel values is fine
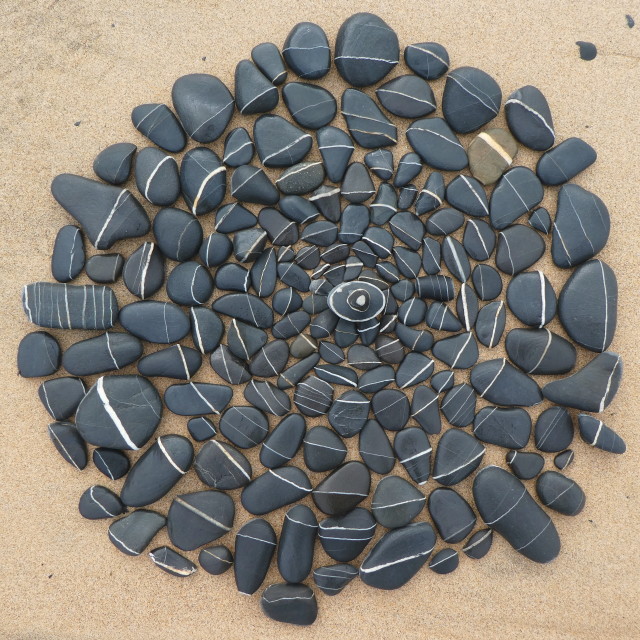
(491, 153)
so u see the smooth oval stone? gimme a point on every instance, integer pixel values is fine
(313, 396)
(133, 533)
(106, 213)
(275, 489)
(248, 244)
(143, 272)
(479, 240)
(266, 56)
(564, 459)
(592, 388)
(486, 282)
(297, 540)
(178, 234)
(565, 161)
(457, 352)
(398, 556)
(458, 455)
(491, 153)
(244, 426)
(517, 192)
(336, 149)
(588, 305)
(581, 226)
(500, 382)
(391, 408)
(64, 306)
(506, 506)
(518, 248)
(215, 560)
(67, 260)
(255, 546)
(479, 544)
(348, 413)
(337, 374)
(280, 143)
(301, 178)
(233, 217)
(206, 329)
(195, 519)
(233, 277)
(376, 379)
(375, 448)
(172, 562)
(444, 222)
(412, 447)
(157, 176)
(68, 443)
(290, 603)
(286, 300)
(251, 184)
(429, 60)
(529, 118)
(525, 464)
(112, 463)
(157, 471)
(508, 428)
(322, 233)
(396, 502)
(471, 98)
(407, 96)
(366, 123)
(265, 396)
(459, 405)
(155, 321)
(357, 187)
(332, 579)
(113, 163)
(343, 489)
(203, 180)
(311, 106)
(238, 147)
(344, 537)
(254, 92)
(452, 515)
(204, 105)
(306, 51)
(553, 430)
(283, 442)
(245, 307)
(221, 466)
(38, 355)
(215, 249)
(425, 410)
(532, 299)
(173, 362)
(540, 351)
(110, 351)
(201, 428)
(197, 398)
(104, 267)
(157, 122)
(330, 352)
(599, 435)
(98, 502)
(119, 412)
(445, 561)
(559, 493)
(490, 323)
(437, 145)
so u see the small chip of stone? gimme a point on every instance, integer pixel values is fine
(215, 560)
(98, 502)
(445, 561)
(172, 562)
(332, 579)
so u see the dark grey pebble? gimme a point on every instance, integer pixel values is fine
(407, 261)
(301, 178)
(313, 396)
(599, 435)
(357, 187)
(412, 447)
(245, 427)
(391, 409)
(519, 247)
(431, 262)
(251, 184)
(467, 306)
(245, 307)
(233, 277)
(529, 118)
(264, 273)
(297, 541)
(384, 205)
(437, 145)
(592, 388)
(565, 161)
(442, 381)
(425, 410)
(113, 164)
(337, 374)
(490, 323)
(375, 448)
(429, 60)
(432, 194)
(444, 222)
(441, 318)
(67, 260)
(280, 143)
(563, 459)
(457, 352)
(206, 329)
(290, 603)
(270, 360)
(332, 579)
(197, 398)
(435, 287)
(414, 369)
(110, 351)
(143, 272)
(479, 240)
(554, 430)
(336, 148)
(69, 443)
(248, 244)
(468, 195)
(221, 466)
(38, 355)
(104, 268)
(322, 233)
(178, 234)
(396, 502)
(500, 382)
(254, 93)
(330, 352)
(61, 396)
(195, 519)
(275, 489)
(479, 544)
(283, 442)
(111, 462)
(376, 379)
(398, 556)
(451, 514)
(445, 561)
(343, 489)
(311, 106)
(286, 301)
(215, 560)
(303, 346)
(458, 455)
(540, 220)
(204, 105)
(157, 176)
(133, 533)
(407, 96)
(408, 228)
(292, 325)
(407, 196)
(172, 562)
(486, 282)
(517, 192)
(98, 502)
(201, 428)
(525, 464)
(348, 413)
(366, 123)
(228, 366)
(203, 179)
(238, 148)
(459, 405)
(380, 163)
(306, 51)
(255, 546)
(234, 217)
(215, 249)
(560, 493)
(531, 298)
(157, 122)
(540, 351)
(343, 538)
(267, 397)
(266, 56)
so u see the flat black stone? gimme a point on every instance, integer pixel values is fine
(407, 96)
(110, 351)
(336, 148)
(113, 163)
(412, 447)
(245, 427)
(275, 489)
(332, 579)
(143, 272)
(525, 464)
(203, 179)
(233, 277)
(375, 448)
(490, 323)
(61, 396)
(38, 355)
(245, 307)
(303, 346)
(270, 360)
(313, 396)
(452, 515)
(267, 397)
(310, 105)
(286, 301)
(172, 562)
(479, 544)
(396, 502)
(197, 398)
(588, 305)
(442, 381)
(380, 163)
(529, 118)
(238, 147)
(234, 217)
(98, 502)
(306, 51)
(459, 405)
(517, 192)
(366, 123)
(434, 141)
(554, 430)
(432, 194)
(425, 410)
(468, 195)
(215, 560)
(133, 533)
(215, 249)
(330, 352)
(290, 603)
(104, 268)
(248, 244)
(106, 213)
(195, 519)
(407, 196)
(565, 161)
(441, 318)
(532, 299)
(67, 260)
(581, 227)
(486, 281)
(297, 540)
(540, 351)
(429, 60)
(280, 143)
(201, 428)
(282, 444)
(519, 247)
(343, 489)
(445, 561)
(471, 98)
(467, 306)
(254, 92)
(391, 409)
(255, 546)
(398, 556)
(444, 222)
(384, 205)
(479, 241)
(221, 466)
(291, 325)
(178, 234)
(599, 435)
(294, 276)
(322, 233)
(157, 122)
(69, 443)
(343, 538)
(251, 184)
(157, 176)
(301, 178)
(559, 493)
(111, 462)
(204, 105)
(591, 388)
(563, 459)
(206, 329)
(348, 413)
(458, 455)
(500, 382)
(408, 228)
(414, 369)
(266, 56)
(189, 284)
(457, 352)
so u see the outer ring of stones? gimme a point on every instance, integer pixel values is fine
(373, 292)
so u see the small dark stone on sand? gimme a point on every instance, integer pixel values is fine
(215, 560)
(67, 260)
(479, 544)
(567, 160)
(275, 489)
(587, 50)
(69, 443)
(332, 579)
(255, 546)
(306, 51)
(157, 122)
(525, 464)
(396, 502)
(201, 428)
(290, 603)
(38, 355)
(221, 466)
(445, 561)
(133, 533)
(343, 538)
(104, 268)
(599, 435)
(98, 502)
(554, 430)
(111, 462)
(61, 396)
(560, 493)
(113, 164)
(172, 562)
(429, 60)
(343, 489)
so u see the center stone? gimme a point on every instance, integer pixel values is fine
(358, 300)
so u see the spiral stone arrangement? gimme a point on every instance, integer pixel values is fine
(339, 298)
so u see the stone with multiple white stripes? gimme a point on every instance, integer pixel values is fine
(113, 163)
(491, 153)
(343, 489)
(407, 96)
(479, 544)
(254, 92)
(290, 603)
(38, 355)
(206, 329)
(525, 464)
(599, 435)
(175, 361)
(398, 556)
(172, 562)
(133, 533)
(98, 502)
(560, 493)
(143, 272)
(438, 146)
(195, 519)
(540, 351)
(157, 470)
(157, 176)
(69, 443)
(529, 118)
(517, 192)
(157, 122)
(332, 579)
(306, 51)
(366, 123)
(110, 351)
(343, 538)
(67, 259)
(245, 427)
(458, 455)
(215, 560)
(502, 426)
(310, 105)
(297, 541)
(246, 308)
(531, 298)
(445, 561)
(61, 396)
(506, 506)
(396, 502)
(203, 180)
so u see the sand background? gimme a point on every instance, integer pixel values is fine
(90, 62)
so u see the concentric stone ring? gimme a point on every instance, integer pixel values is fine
(356, 301)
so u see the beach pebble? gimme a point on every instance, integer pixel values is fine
(268, 398)
(517, 192)
(332, 579)
(246, 308)
(283, 442)
(215, 249)
(563, 459)
(296, 372)
(201, 428)
(560, 493)
(69, 443)
(255, 546)
(110, 351)
(445, 561)
(414, 369)
(490, 323)
(479, 544)
(429, 60)
(221, 466)
(380, 163)
(529, 118)
(531, 298)
(519, 247)
(599, 435)
(565, 161)
(215, 560)
(245, 427)
(158, 123)
(254, 93)
(98, 502)
(306, 51)
(133, 533)
(280, 143)
(434, 141)
(391, 409)
(459, 405)
(432, 194)
(540, 220)
(375, 449)
(407, 97)
(468, 195)
(310, 105)
(442, 381)
(554, 430)
(157, 176)
(412, 447)
(297, 541)
(61, 396)
(274, 489)
(486, 282)
(111, 462)
(424, 409)
(172, 562)
(540, 351)
(266, 56)
(178, 234)
(457, 352)
(348, 413)
(143, 272)
(155, 321)
(243, 340)
(270, 360)
(525, 464)
(104, 268)
(452, 515)
(366, 123)
(206, 329)
(197, 398)
(313, 396)
(238, 147)
(504, 427)
(479, 241)
(203, 179)
(343, 489)
(336, 148)
(491, 153)
(343, 538)
(467, 306)
(290, 603)
(301, 178)
(67, 260)
(38, 355)
(396, 502)
(113, 164)
(458, 455)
